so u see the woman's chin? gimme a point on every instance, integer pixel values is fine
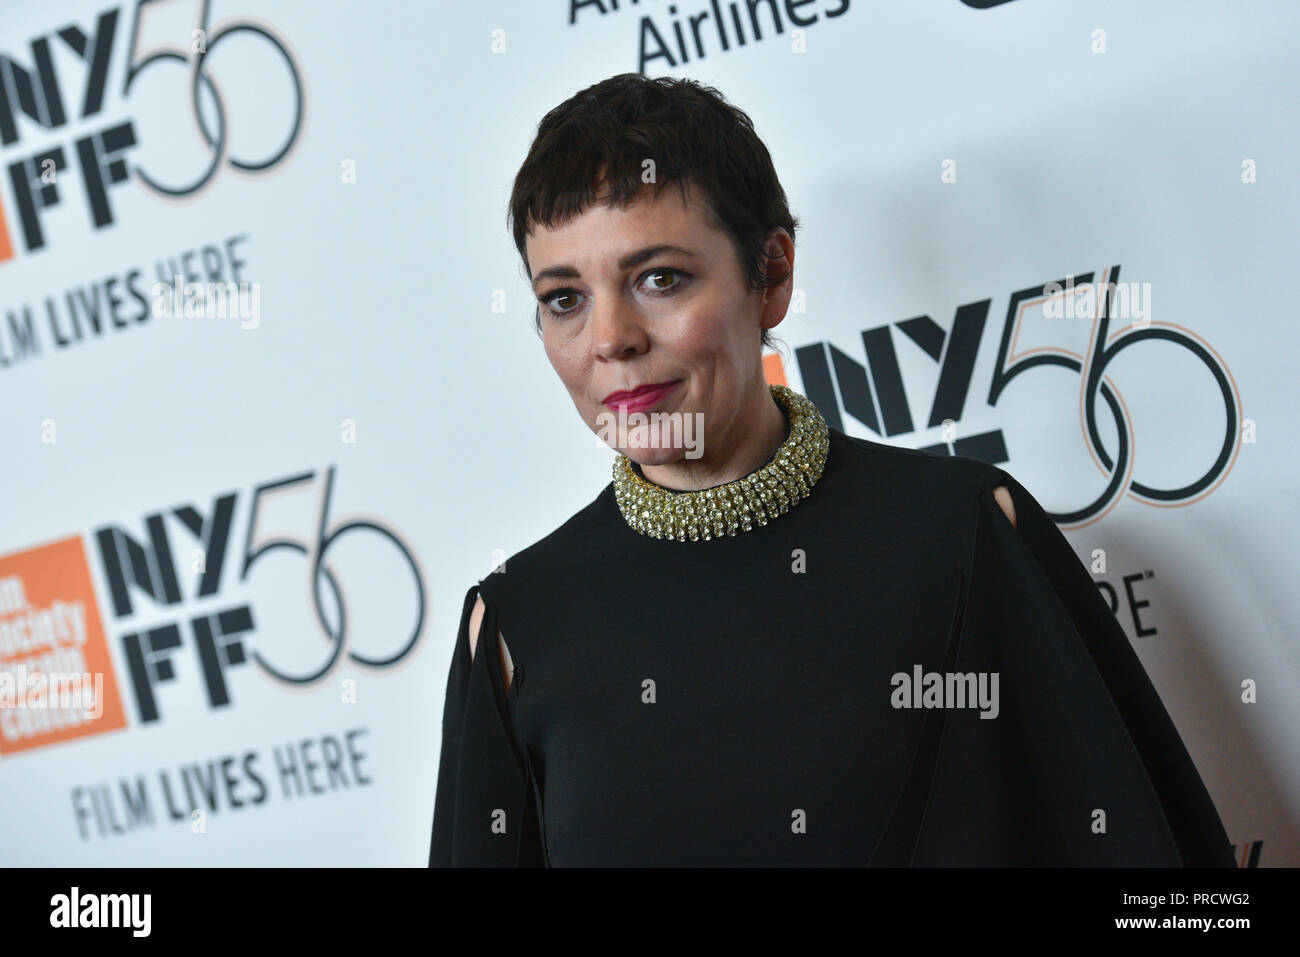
(652, 456)
(646, 445)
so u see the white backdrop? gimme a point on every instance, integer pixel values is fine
(284, 677)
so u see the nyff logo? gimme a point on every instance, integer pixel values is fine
(58, 98)
(222, 635)
(1073, 330)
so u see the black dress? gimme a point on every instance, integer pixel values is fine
(740, 701)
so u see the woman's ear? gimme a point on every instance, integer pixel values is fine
(779, 249)
(1003, 495)
(779, 264)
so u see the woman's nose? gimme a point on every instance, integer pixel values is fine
(618, 328)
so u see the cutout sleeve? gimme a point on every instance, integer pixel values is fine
(484, 810)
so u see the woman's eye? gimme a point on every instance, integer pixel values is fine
(553, 297)
(655, 286)
(674, 273)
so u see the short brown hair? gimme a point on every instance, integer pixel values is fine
(602, 135)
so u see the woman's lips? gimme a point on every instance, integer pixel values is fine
(644, 400)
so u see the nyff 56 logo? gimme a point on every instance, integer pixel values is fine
(107, 151)
(337, 591)
(1074, 324)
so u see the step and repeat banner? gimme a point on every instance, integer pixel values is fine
(273, 400)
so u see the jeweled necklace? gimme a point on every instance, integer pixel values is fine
(737, 506)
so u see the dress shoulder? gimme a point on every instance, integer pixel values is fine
(573, 537)
(915, 479)
(485, 804)
(1076, 762)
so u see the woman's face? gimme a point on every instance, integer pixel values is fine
(628, 312)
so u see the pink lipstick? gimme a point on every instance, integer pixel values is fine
(642, 398)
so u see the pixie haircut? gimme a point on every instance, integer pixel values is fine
(601, 138)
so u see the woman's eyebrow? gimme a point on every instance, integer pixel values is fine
(627, 262)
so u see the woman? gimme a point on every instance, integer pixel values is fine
(781, 645)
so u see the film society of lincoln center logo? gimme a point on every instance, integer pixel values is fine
(332, 591)
(56, 680)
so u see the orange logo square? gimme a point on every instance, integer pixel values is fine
(56, 676)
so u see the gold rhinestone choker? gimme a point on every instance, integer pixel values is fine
(737, 506)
